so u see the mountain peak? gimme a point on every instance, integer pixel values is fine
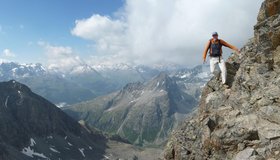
(142, 113)
(162, 76)
(161, 82)
(13, 86)
(11, 70)
(20, 98)
(132, 89)
(33, 127)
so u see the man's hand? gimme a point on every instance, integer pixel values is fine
(204, 61)
(238, 51)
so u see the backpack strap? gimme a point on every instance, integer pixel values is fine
(219, 42)
(209, 48)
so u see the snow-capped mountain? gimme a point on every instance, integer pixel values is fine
(167, 66)
(73, 70)
(78, 83)
(51, 85)
(124, 73)
(84, 82)
(199, 72)
(127, 66)
(104, 67)
(192, 80)
(10, 70)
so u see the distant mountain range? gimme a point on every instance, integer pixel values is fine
(192, 80)
(86, 82)
(142, 113)
(136, 104)
(55, 87)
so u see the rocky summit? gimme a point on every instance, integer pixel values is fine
(33, 128)
(142, 113)
(241, 122)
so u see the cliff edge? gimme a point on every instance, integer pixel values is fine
(242, 122)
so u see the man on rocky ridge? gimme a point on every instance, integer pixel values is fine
(214, 45)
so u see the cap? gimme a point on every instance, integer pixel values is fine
(214, 33)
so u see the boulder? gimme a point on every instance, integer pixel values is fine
(245, 154)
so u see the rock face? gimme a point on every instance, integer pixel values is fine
(33, 128)
(241, 122)
(143, 114)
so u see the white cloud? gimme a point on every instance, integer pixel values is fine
(8, 53)
(152, 31)
(98, 27)
(60, 58)
(109, 35)
(3, 60)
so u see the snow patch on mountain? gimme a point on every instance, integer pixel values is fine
(61, 104)
(30, 152)
(6, 101)
(107, 66)
(32, 142)
(82, 152)
(54, 150)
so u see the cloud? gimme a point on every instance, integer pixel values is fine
(60, 58)
(108, 34)
(98, 27)
(7, 53)
(3, 60)
(152, 31)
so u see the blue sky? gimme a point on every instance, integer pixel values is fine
(65, 33)
(24, 23)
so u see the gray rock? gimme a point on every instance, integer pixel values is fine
(241, 146)
(245, 154)
(268, 129)
(271, 113)
(256, 157)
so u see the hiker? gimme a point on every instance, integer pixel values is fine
(214, 45)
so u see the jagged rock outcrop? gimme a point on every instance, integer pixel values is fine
(242, 122)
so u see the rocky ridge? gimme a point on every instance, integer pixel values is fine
(241, 122)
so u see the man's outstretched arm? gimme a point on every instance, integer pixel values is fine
(206, 50)
(224, 43)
